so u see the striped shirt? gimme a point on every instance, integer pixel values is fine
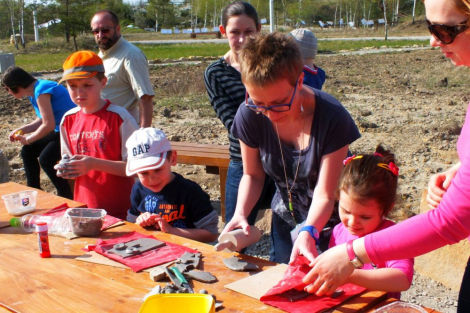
(226, 93)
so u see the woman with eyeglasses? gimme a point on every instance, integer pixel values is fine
(227, 92)
(448, 192)
(295, 134)
(40, 138)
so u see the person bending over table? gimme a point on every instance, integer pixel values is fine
(41, 137)
(448, 192)
(226, 93)
(297, 135)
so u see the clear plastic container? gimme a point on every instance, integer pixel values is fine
(400, 307)
(57, 225)
(86, 222)
(20, 203)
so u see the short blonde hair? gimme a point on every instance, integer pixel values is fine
(268, 58)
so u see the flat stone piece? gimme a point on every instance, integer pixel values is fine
(293, 294)
(201, 276)
(157, 274)
(135, 247)
(239, 265)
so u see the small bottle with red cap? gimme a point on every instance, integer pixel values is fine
(43, 240)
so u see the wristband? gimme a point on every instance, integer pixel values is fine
(313, 232)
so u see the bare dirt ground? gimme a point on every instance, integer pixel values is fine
(413, 102)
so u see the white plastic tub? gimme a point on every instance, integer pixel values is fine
(20, 203)
(86, 222)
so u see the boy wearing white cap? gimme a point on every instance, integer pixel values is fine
(94, 135)
(314, 76)
(164, 199)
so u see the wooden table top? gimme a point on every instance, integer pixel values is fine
(63, 284)
(44, 201)
(202, 154)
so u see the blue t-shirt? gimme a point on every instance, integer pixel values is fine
(182, 203)
(60, 99)
(314, 77)
(332, 129)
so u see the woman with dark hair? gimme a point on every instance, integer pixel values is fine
(226, 92)
(448, 192)
(40, 138)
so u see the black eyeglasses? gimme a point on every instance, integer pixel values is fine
(102, 30)
(275, 108)
(445, 33)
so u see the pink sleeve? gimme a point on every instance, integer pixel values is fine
(447, 224)
(405, 265)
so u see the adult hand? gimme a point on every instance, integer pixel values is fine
(237, 221)
(14, 135)
(438, 185)
(305, 245)
(330, 270)
(146, 219)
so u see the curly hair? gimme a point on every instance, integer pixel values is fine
(363, 179)
(268, 58)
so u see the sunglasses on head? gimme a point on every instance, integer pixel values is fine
(446, 33)
(102, 30)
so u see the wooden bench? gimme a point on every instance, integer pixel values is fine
(217, 34)
(216, 158)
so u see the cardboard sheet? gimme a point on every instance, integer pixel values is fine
(258, 285)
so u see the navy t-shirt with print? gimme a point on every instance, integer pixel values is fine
(181, 203)
(332, 128)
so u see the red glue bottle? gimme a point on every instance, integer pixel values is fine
(43, 239)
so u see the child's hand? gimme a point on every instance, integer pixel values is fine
(438, 185)
(79, 165)
(163, 225)
(146, 219)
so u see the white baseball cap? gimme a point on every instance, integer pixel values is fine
(146, 150)
(307, 42)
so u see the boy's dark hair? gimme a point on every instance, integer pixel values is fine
(363, 179)
(240, 8)
(15, 77)
(100, 76)
(113, 15)
(168, 154)
(269, 58)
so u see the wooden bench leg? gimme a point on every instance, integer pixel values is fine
(223, 179)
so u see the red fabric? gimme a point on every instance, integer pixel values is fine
(60, 211)
(293, 280)
(165, 254)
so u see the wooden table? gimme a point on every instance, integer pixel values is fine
(64, 284)
(44, 201)
(216, 158)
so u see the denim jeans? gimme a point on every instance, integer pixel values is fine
(464, 294)
(47, 150)
(234, 176)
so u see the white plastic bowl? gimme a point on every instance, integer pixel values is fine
(400, 307)
(20, 203)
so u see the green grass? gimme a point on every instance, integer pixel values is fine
(47, 59)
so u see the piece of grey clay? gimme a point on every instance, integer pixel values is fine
(201, 276)
(135, 247)
(157, 274)
(203, 291)
(190, 258)
(183, 267)
(239, 265)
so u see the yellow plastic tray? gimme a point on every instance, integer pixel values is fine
(179, 303)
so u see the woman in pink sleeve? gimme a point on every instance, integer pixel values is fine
(366, 192)
(449, 192)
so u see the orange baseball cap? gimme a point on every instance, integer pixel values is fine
(82, 64)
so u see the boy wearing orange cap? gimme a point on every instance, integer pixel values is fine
(94, 135)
